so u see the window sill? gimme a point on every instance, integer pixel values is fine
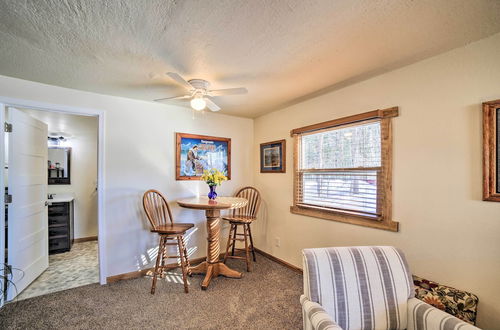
(360, 220)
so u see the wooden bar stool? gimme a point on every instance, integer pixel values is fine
(243, 217)
(160, 218)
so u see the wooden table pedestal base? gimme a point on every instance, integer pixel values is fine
(213, 270)
(213, 267)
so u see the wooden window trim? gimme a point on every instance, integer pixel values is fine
(375, 114)
(490, 189)
(384, 221)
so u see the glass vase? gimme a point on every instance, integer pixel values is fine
(212, 194)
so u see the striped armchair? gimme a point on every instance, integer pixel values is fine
(365, 287)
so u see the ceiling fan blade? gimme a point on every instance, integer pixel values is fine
(183, 97)
(211, 105)
(180, 80)
(178, 103)
(229, 91)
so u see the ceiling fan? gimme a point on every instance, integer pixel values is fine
(199, 94)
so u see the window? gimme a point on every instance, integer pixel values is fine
(342, 169)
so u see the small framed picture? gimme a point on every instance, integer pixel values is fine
(273, 157)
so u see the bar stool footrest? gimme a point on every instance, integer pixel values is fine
(235, 257)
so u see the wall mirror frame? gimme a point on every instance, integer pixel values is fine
(61, 174)
(491, 151)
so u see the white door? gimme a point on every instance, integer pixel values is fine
(27, 214)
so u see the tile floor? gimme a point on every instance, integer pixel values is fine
(72, 269)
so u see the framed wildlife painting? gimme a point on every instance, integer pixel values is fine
(491, 151)
(196, 153)
(273, 157)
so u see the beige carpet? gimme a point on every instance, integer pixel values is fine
(267, 298)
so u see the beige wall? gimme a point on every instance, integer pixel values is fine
(447, 232)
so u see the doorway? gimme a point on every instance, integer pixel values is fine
(73, 247)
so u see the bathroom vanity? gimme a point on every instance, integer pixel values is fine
(61, 223)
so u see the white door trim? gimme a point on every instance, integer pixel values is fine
(101, 186)
(2, 205)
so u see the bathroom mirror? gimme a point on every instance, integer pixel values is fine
(59, 169)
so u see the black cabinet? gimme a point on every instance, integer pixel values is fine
(61, 233)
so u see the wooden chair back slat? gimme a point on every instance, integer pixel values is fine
(253, 197)
(156, 208)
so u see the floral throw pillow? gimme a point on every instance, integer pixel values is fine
(458, 303)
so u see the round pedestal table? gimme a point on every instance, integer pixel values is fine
(213, 267)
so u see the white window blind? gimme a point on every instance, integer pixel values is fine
(339, 169)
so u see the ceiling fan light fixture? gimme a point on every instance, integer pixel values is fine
(198, 103)
(199, 94)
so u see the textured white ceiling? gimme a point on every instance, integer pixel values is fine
(282, 51)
